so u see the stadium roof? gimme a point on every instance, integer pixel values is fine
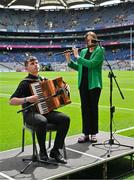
(53, 4)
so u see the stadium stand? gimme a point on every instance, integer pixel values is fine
(45, 33)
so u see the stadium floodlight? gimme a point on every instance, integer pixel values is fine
(21, 7)
(63, 3)
(56, 4)
(110, 2)
(37, 4)
(11, 3)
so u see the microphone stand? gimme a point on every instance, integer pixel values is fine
(111, 142)
(35, 157)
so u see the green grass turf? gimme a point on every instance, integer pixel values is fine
(11, 122)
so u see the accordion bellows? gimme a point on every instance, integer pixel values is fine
(52, 94)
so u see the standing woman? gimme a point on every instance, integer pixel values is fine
(89, 67)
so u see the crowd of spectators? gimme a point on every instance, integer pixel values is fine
(66, 19)
(77, 20)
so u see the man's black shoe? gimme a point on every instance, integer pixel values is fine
(43, 156)
(57, 156)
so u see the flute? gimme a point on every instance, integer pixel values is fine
(68, 50)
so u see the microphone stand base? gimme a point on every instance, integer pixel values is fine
(110, 143)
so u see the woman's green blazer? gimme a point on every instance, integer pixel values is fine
(94, 65)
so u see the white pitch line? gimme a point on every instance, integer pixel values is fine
(6, 176)
(107, 107)
(4, 95)
(126, 129)
(124, 89)
(73, 150)
(75, 103)
(119, 108)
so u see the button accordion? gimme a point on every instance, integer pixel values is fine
(52, 94)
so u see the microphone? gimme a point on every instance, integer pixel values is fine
(97, 40)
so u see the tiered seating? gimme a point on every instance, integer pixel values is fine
(62, 21)
(40, 21)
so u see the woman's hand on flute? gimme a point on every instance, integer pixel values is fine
(75, 52)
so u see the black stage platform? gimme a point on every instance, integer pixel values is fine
(83, 161)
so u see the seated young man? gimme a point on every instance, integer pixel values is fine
(23, 96)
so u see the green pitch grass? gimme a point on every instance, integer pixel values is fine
(123, 119)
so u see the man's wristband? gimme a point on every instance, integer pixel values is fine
(25, 100)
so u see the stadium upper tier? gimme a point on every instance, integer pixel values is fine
(45, 33)
(50, 4)
(66, 20)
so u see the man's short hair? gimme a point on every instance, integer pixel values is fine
(30, 59)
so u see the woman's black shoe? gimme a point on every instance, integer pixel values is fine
(93, 138)
(83, 139)
(57, 156)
